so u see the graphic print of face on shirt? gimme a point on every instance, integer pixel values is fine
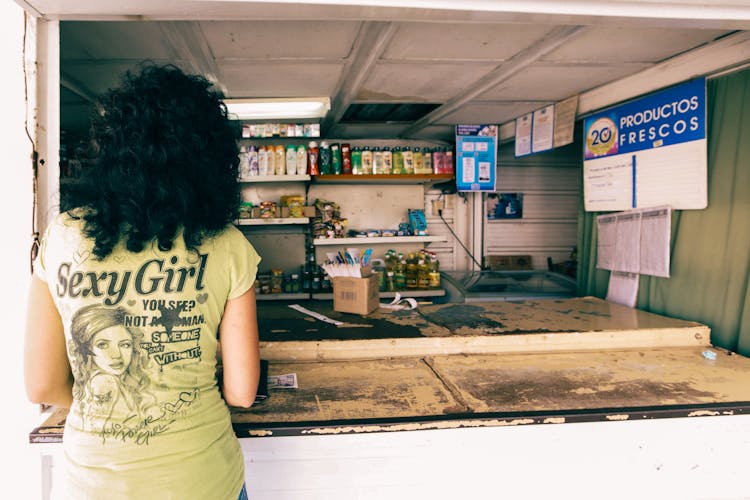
(112, 350)
(142, 334)
(109, 367)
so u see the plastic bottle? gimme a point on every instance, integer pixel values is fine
(399, 275)
(437, 161)
(408, 160)
(306, 278)
(277, 280)
(271, 155)
(434, 273)
(325, 158)
(366, 161)
(243, 169)
(377, 161)
(262, 161)
(418, 161)
(253, 160)
(335, 158)
(423, 274)
(346, 159)
(280, 159)
(387, 160)
(411, 272)
(301, 160)
(356, 160)
(448, 161)
(390, 282)
(291, 160)
(398, 161)
(427, 154)
(312, 157)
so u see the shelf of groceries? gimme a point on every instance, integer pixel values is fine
(370, 240)
(350, 178)
(270, 221)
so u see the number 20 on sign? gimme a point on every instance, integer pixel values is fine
(601, 138)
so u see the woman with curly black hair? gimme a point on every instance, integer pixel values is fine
(132, 283)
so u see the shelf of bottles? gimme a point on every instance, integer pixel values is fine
(274, 178)
(326, 162)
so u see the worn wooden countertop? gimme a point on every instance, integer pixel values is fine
(460, 365)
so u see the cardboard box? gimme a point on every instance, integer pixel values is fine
(510, 262)
(356, 295)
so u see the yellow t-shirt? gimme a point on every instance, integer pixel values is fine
(147, 419)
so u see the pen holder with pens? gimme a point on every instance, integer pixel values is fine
(355, 287)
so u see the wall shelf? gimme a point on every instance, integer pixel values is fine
(381, 178)
(273, 221)
(438, 292)
(282, 296)
(275, 178)
(375, 240)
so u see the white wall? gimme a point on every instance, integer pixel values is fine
(550, 187)
(22, 474)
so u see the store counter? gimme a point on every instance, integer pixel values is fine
(488, 365)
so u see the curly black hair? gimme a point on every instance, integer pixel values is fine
(163, 156)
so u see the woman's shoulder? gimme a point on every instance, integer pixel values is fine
(230, 235)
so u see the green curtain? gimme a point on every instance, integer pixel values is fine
(710, 249)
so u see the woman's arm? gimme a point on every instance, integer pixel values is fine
(240, 352)
(47, 372)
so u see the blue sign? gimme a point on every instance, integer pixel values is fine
(476, 157)
(672, 116)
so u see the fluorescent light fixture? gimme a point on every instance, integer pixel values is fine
(269, 109)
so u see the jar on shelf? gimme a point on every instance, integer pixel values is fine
(267, 209)
(277, 280)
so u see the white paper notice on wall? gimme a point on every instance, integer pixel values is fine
(635, 241)
(606, 226)
(628, 242)
(656, 228)
(623, 288)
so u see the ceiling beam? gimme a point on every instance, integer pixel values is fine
(725, 54)
(506, 70)
(372, 41)
(191, 46)
(76, 87)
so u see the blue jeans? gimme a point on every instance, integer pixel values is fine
(243, 493)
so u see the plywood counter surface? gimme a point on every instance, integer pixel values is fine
(546, 362)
